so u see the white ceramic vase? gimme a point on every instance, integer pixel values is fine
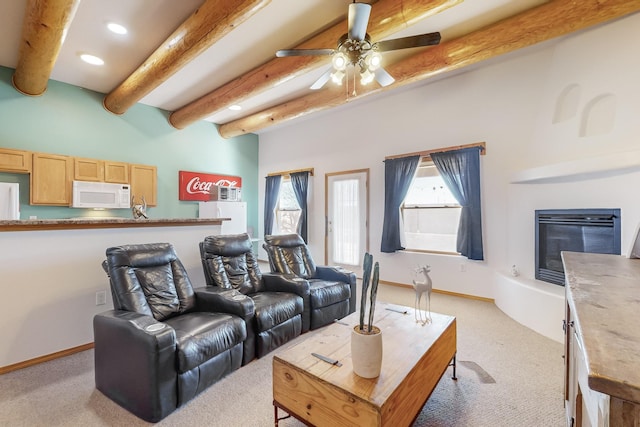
(366, 352)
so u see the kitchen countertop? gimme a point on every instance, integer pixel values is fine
(89, 222)
(603, 292)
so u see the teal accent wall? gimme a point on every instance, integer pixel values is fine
(71, 121)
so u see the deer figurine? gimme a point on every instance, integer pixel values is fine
(139, 210)
(421, 287)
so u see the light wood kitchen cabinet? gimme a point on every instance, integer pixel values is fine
(50, 180)
(100, 171)
(116, 172)
(144, 183)
(88, 169)
(15, 161)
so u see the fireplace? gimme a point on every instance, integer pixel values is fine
(575, 230)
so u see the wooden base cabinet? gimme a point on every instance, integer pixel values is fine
(584, 407)
(602, 341)
(50, 180)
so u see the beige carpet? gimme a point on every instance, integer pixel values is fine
(507, 376)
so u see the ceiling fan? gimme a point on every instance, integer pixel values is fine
(356, 49)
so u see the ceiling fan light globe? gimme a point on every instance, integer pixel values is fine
(366, 77)
(373, 61)
(339, 61)
(337, 77)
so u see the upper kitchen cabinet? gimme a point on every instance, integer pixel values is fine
(15, 161)
(144, 183)
(50, 180)
(88, 169)
(116, 172)
(100, 171)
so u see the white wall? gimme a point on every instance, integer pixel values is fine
(509, 103)
(49, 280)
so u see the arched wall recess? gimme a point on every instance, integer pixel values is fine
(567, 103)
(598, 116)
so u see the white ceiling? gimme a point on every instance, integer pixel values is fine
(281, 24)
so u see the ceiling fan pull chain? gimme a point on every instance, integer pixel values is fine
(354, 84)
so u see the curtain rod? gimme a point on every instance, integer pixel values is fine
(287, 173)
(427, 153)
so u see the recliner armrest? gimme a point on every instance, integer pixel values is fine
(337, 274)
(135, 362)
(144, 329)
(286, 283)
(215, 299)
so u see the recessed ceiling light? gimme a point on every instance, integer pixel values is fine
(235, 108)
(91, 59)
(116, 28)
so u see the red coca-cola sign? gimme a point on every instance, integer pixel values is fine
(196, 186)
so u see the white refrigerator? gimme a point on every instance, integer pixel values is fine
(237, 211)
(9, 201)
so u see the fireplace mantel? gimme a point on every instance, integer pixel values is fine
(577, 170)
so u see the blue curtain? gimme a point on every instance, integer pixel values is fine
(300, 184)
(460, 170)
(272, 189)
(398, 174)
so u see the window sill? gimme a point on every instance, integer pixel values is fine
(427, 251)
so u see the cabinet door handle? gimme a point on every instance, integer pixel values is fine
(564, 325)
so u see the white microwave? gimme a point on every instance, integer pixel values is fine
(219, 193)
(103, 195)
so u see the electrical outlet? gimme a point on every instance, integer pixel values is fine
(101, 297)
(463, 268)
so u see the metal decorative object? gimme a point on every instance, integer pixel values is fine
(368, 263)
(422, 287)
(139, 210)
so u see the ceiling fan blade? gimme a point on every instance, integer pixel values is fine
(383, 78)
(407, 42)
(358, 20)
(304, 52)
(322, 80)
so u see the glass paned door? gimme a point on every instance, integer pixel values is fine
(346, 218)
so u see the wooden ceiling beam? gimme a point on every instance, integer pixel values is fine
(43, 30)
(550, 20)
(387, 17)
(208, 24)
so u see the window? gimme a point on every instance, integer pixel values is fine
(288, 211)
(430, 213)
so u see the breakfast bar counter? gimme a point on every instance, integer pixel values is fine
(602, 354)
(52, 277)
(89, 222)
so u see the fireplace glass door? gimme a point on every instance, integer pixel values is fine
(575, 230)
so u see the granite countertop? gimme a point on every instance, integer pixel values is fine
(603, 293)
(95, 222)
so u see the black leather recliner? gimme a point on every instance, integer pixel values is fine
(229, 263)
(332, 290)
(164, 342)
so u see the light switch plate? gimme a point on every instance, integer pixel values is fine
(101, 297)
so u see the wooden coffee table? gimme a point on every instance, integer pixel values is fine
(321, 394)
